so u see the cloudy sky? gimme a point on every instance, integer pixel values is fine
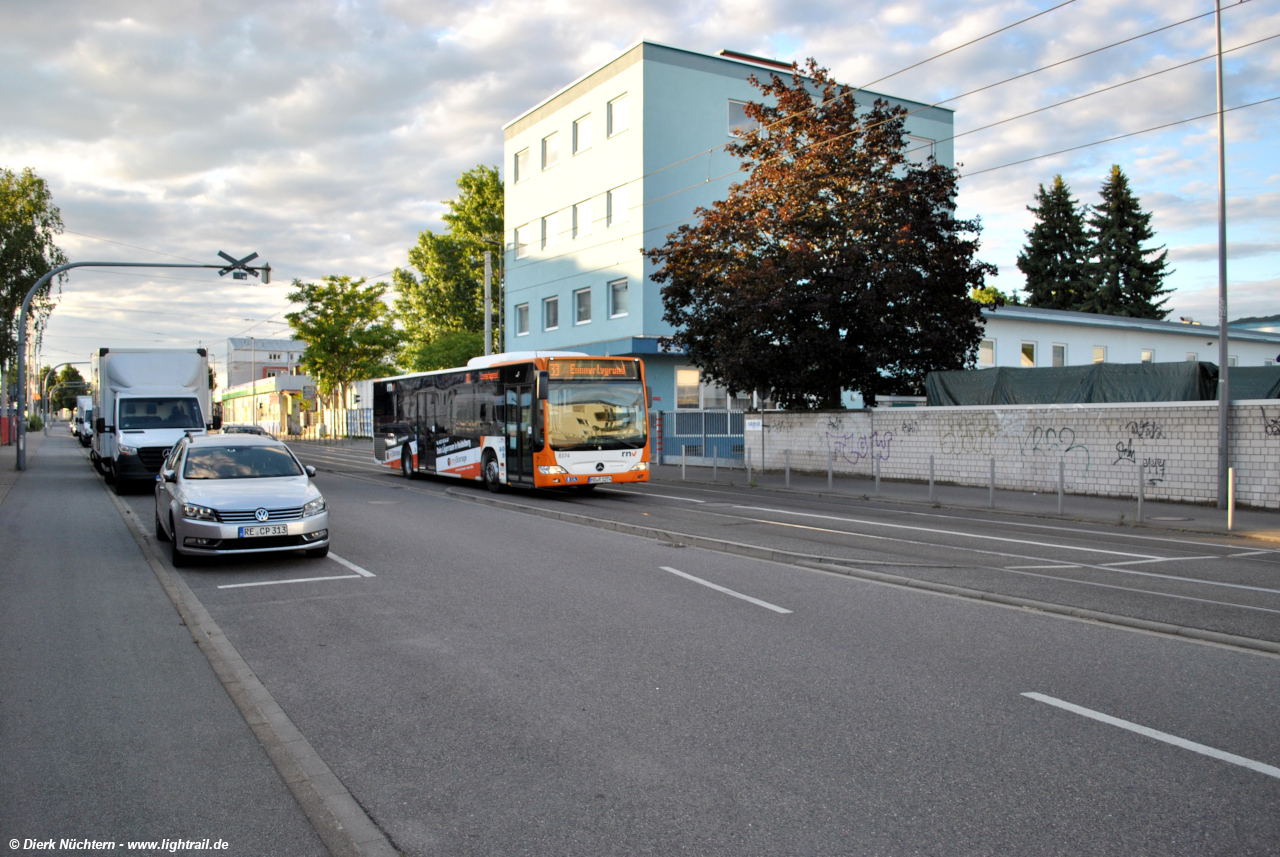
(323, 134)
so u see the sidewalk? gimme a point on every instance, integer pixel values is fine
(1177, 517)
(9, 457)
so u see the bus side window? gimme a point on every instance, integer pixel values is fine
(444, 413)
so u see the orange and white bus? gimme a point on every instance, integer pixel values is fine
(540, 419)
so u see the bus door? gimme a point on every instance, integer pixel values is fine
(427, 439)
(519, 431)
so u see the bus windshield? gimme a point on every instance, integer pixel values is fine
(595, 415)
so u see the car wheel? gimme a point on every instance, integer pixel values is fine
(406, 462)
(316, 553)
(161, 535)
(179, 559)
(492, 476)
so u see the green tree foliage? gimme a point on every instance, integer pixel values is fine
(992, 298)
(1055, 257)
(1128, 279)
(348, 330)
(446, 297)
(29, 221)
(73, 384)
(834, 265)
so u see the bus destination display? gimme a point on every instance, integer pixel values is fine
(589, 370)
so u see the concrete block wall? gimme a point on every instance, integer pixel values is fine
(1100, 446)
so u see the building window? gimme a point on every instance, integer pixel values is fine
(687, 389)
(1059, 354)
(1099, 354)
(616, 206)
(550, 313)
(523, 234)
(522, 320)
(1268, 362)
(617, 298)
(582, 219)
(1231, 360)
(1028, 354)
(919, 149)
(987, 352)
(739, 122)
(1148, 355)
(550, 151)
(618, 119)
(582, 134)
(522, 165)
(1193, 357)
(582, 306)
(551, 230)
(273, 356)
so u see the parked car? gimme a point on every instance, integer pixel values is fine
(235, 494)
(242, 428)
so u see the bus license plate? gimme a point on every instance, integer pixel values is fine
(599, 478)
(269, 530)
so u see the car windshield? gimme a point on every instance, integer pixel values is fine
(596, 415)
(160, 413)
(240, 462)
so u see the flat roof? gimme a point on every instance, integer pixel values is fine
(1090, 319)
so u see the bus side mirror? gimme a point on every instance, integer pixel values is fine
(648, 397)
(217, 423)
(544, 381)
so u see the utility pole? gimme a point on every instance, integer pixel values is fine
(1224, 373)
(253, 379)
(488, 303)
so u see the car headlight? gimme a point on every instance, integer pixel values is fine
(127, 450)
(551, 469)
(315, 507)
(199, 513)
(644, 465)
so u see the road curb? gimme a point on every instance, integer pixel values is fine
(336, 816)
(828, 564)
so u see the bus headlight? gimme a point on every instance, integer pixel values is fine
(644, 465)
(553, 469)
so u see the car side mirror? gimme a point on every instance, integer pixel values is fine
(544, 381)
(100, 425)
(311, 471)
(169, 475)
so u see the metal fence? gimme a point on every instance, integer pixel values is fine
(333, 424)
(699, 438)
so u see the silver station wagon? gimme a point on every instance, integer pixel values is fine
(235, 494)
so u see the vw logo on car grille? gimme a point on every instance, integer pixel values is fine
(599, 466)
(262, 514)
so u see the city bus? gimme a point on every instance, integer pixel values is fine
(538, 419)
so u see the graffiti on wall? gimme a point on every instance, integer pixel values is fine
(1270, 426)
(978, 437)
(1154, 468)
(1145, 429)
(855, 448)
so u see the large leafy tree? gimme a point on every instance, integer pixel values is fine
(348, 330)
(72, 385)
(836, 264)
(1056, 255)
(1128, 278)
(442, 307)
(29, 222)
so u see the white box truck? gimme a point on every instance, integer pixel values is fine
(144, 402)
(82, 421)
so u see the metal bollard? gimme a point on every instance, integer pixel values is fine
(748, 465)
(831, 460)
(877, 460)
(931, 479)
(684, 459)
(1142, 484)
(788, 456)
(715, 465)
(991, 492)
(1062, 468)
(1231, 499)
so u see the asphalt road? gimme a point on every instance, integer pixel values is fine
(509, 684)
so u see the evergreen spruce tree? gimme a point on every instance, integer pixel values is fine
(1125, 280)
(1055, 257)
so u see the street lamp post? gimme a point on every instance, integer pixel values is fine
(240, 267)
(1224, 373)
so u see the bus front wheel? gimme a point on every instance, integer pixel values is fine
(406, 462)
(492, 476)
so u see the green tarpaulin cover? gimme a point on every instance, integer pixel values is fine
(1097, 383)
(1254, 382)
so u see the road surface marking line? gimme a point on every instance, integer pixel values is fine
(1134, 589)
(1162, 559)
(1248, 553)
(651, 494)
(290, 580)
(942, 532)
(1019, 567)
(765, 604)
(1260, 767)
(351, 565)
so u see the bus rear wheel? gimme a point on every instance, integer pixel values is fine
(492, 476)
